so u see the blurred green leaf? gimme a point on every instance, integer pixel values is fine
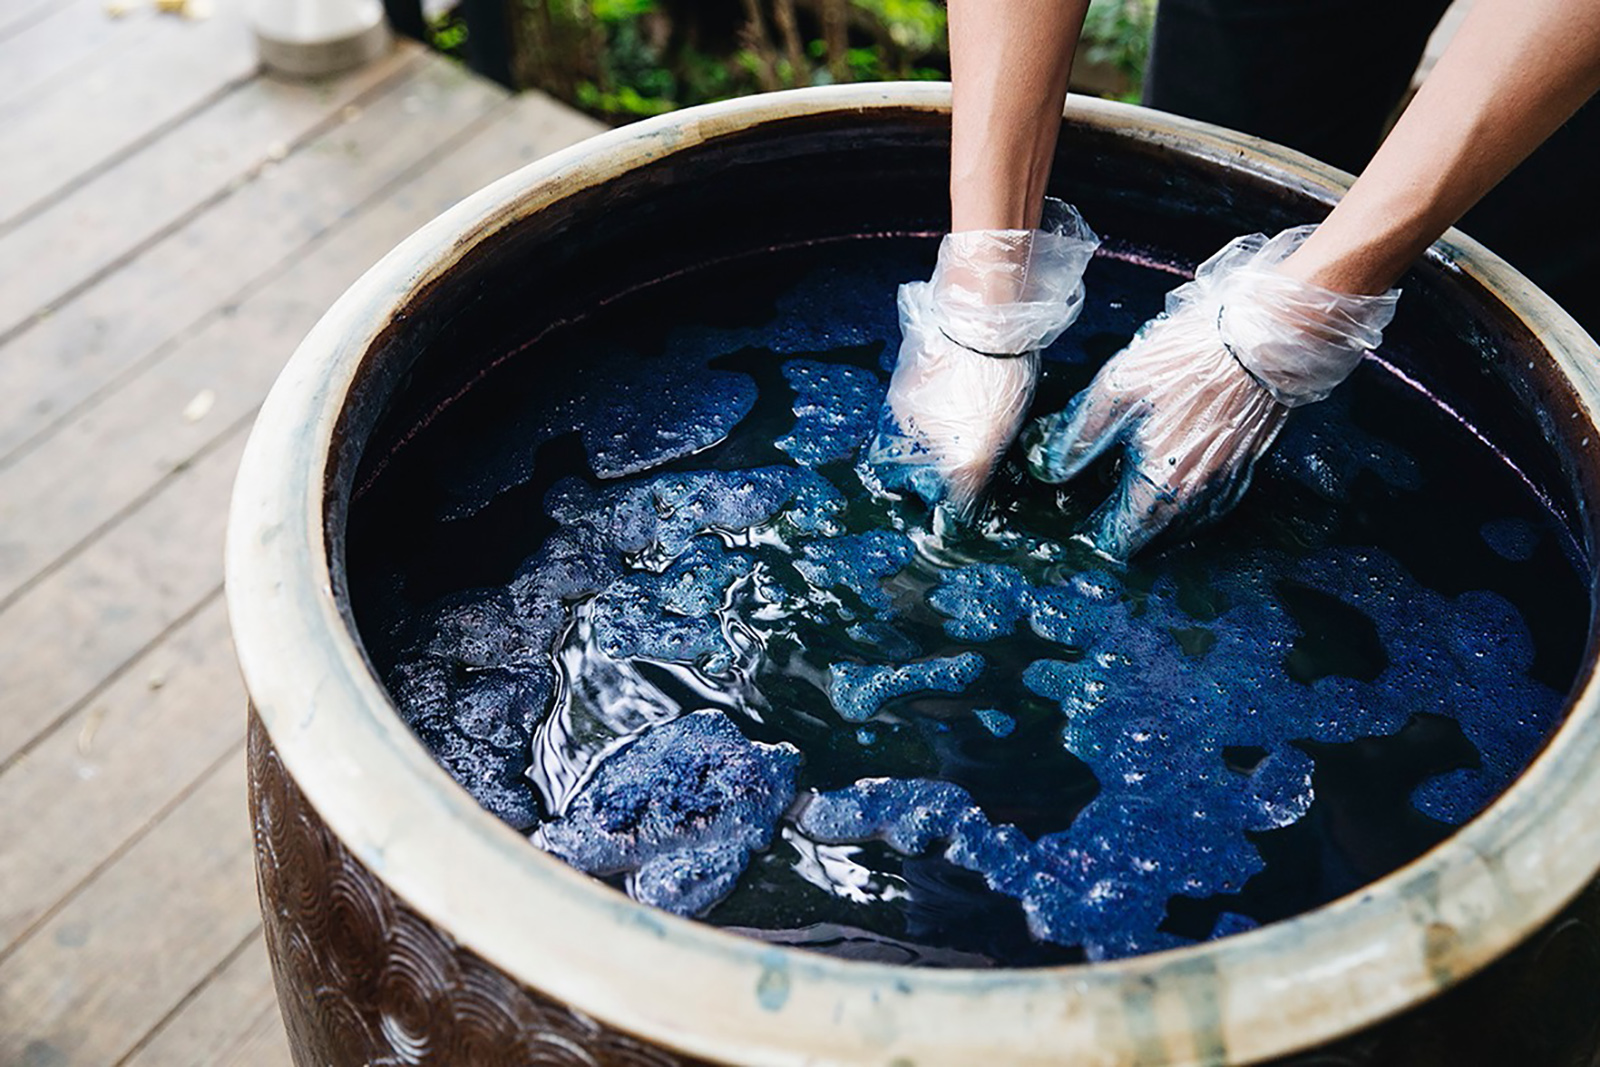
(622, 59)
(1116, 33)
(619, 10)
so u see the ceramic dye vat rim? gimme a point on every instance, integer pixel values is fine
(702, 992)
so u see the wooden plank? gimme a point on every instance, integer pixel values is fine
(17, 15)
(128, 950)
(232, 1021)
(113, 768)
(88, 620)
(103, 460)
(100, 604)
(58, 248)
(61, 42)
(168, 288)
(264, 1045)
(66, 133)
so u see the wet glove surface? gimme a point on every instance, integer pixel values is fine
(969, 354)
(1202, 391)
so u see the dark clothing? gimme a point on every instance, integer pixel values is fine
(1323, 76)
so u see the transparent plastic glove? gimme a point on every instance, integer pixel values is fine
(969, 350)
(1201, 392)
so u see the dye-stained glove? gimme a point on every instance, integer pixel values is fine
(969, 350)
(1202, 390)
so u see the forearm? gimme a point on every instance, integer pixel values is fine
(1009, 62)
(1516, 71)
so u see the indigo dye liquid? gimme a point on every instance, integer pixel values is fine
(639, 593)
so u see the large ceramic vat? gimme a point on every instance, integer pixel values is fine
(407, 925)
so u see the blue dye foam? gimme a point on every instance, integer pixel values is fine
(996, 722)
(571, 564)
(474, 692)
(858, 690)
(1465, 658)
(836, 408)
(1462, 657)
(638, 694)
(884, 639)
(858, 563)
(1088, 886)
(1151, 721)
(984, 601)
(680, 809)
(494, 776)
(1060, 614)
(662, 515)
(689, 882)
(631, 422)
(685, 411)
(1078, 687)
(1323, 450)
(813, 508)
(909, 815)
(671, 615)
(1512, 539)
(684, 407)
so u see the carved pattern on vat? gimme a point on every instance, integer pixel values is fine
(363, 979)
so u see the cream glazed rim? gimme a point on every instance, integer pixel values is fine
(704, 992)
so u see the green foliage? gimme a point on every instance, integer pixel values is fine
(917, 26)
(623, 101)
(613, 11)
(448, 34)
(1116, 35)
(628, 59)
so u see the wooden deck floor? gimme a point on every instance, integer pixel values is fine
(171, 223)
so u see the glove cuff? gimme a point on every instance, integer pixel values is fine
(1008, 292)
(1297, 340)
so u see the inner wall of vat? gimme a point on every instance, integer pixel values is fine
(804, 180)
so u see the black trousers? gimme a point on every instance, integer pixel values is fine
(1323, 76)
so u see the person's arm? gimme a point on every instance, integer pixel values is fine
(1516, 70)
(1009, 276)
(1009, 64)
(1201, 393)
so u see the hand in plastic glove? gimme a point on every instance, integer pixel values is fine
(1202, 391)
(969, 353)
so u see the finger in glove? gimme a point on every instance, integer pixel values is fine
(1202, 391)
(968, 360)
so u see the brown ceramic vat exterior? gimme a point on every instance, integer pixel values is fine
(408, 926)
(364, 979)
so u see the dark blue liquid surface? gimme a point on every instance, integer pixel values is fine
(638, 595)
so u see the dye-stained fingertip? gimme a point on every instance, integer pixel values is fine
(963, 489)
(1132, 516)
(1045, 443)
